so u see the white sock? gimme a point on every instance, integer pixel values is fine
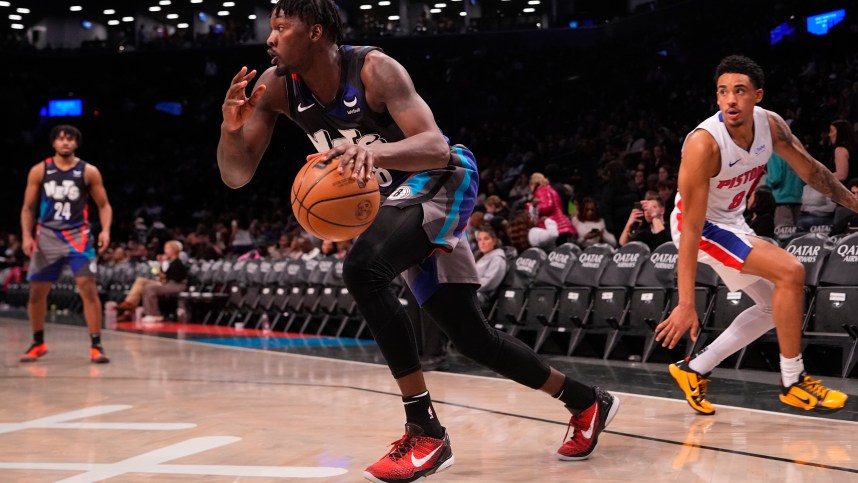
(791, 369)
(746, 328)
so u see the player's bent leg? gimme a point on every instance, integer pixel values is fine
(393, 243)
(798, 389)
(455, 309)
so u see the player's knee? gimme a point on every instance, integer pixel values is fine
(791, 274)
(363, 271)
(480, 348)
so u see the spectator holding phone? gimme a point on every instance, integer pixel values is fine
(646, 223)
(591, 226)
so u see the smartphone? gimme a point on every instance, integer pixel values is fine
(637, 206)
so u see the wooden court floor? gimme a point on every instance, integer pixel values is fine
(177, 410)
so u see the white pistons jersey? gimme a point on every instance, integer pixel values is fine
(740, 170)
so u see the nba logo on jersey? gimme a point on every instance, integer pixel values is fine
(401, 193)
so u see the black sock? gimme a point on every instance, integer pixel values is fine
(419, 410)
(96, 339)
(576, 396)
(39, 336)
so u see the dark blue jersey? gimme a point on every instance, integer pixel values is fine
(64, 197)
(348, 119)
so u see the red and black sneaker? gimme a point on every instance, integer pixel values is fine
(414, 457)
(587, 425)
(35, 351)
(96, 355)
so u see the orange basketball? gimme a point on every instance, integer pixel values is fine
(330, 205)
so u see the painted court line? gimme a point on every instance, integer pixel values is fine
(151, 462)
(59, 421)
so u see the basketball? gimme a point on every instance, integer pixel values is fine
(330, 205)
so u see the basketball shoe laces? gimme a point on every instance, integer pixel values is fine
(814, 386)
(703, 385)
(402, 446)
(574, 425)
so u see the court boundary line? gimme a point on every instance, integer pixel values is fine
(372, 364)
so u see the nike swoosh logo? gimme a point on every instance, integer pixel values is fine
(418, 462)
(692, 386)
(589, 433)
(304, 108)
(734, 162)
(806, 401)
(351, 103)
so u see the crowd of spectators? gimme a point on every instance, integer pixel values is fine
(569, 139)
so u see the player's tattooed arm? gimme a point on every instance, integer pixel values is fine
(809, 169)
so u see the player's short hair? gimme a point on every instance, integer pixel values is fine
(739, 64)
(322, 12)
(68, 130)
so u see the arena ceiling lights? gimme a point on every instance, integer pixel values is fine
(182, 13)
(116, 13)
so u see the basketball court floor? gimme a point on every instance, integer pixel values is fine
(221, 406)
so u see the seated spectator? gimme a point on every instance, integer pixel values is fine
(521, 189)
(201, 247)
(553, 227)
(240, 238)
(518, 229)
(172, 280)
(343, 248)
(328, 248)
(762, 212)
(475, 221)
(591, 226)
(262, 248)
(119, 257)
(646, 223)
(667, 192)
(816, 211)
(281, 250)
(846, 220)
(302, 248)
(495, 208)
(491, 264)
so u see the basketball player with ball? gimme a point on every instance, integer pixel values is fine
(361, 111)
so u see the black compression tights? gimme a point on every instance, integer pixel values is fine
(395, 242)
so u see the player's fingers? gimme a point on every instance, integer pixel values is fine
(240, 74)
(256, 95)
(370, 164)
(360, 160)
(250, 75)
(233, 102)
(236, 90)
(345, 162)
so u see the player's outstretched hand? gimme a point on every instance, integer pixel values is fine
(676, 325)
(237, 107)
